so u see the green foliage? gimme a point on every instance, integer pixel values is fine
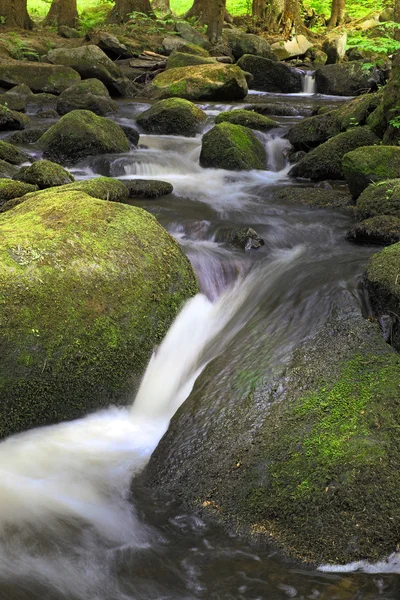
(20, 49)
(385, 43)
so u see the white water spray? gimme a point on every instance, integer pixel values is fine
(309, 83)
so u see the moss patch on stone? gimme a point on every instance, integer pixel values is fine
(247, 118)
(183, 59)
(14, 189)
(44, 174)
(382, 229)
(11, 119)
(173, 116)
(381, 198)
(90, 94)
(148, 188)
(366, 165)
(232, 147)
(316, 197)
(11, 154)
(87, 289)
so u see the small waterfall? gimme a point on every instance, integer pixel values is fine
(309, 85)
(277, 149)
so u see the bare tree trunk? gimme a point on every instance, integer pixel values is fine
(14, 13)
(62, 12)
(396, 18)
(337, 13)
(123, 8)
(162, 6)
(211, 13)
(259, 9)
(291, 19)
(274, 13)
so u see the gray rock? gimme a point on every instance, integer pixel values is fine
(270, 75)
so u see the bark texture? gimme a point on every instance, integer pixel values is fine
(123, 8)
(337, 13)
(211, 13)
(14, 13)
(162, 6)
(62, 12)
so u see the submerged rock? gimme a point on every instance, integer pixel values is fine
(297, 458)
(369, 165)
(173, 116)
(147, 188)
(382, 229)
(90, 94)
(88, 288)
(200, 82)
(80, 134)
(247, 118)
(325, 161)
(232, 147)
(271, 75)
(44, 174)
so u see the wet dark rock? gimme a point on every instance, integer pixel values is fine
(295, 157)
(270, 75)
(281, 109)
(241, 237)
(41, 102)
(310, 133)
(325, 161)
(44, 174)
(316, 197)
(173, 116)
(131, 133)
(242, 43)
(349, 79)
(232, 147)
(146, 188)
(370, 165)
(90, 94)
(382, 229)
(47, 113)
(10, 119)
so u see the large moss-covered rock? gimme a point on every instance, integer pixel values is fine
(173, 116)
(232, 147)
(325, 162)
(348, 79)
(356, 112)
(7, 170)
(44, 174)
(11, 119)
(366, 165)
(313, 131)
(17, 97)
(91, 62)
(90, 94)
(309, 455)
(28, 136)
(147, 188)
(39, 77)
(88, 288)
(183, 59)
(178, 44)
(382, 283)
(247, 118)
(380, 199)
(200, 82)
(270, 75)
(11, 154)
(313, 196)
(80, 134)
(10, 189)
(382, 229)
(192, 35)
(242, 43)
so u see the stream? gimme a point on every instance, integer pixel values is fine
(70, 526)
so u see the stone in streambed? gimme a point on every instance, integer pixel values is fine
(87, 289)
(147, 188)
(11, 119)
(232, 147)
(270, 75)
(11, 154)
(247, 118)
(182, 59)
(39, 77)
(312, 196)
(28, 136)
(7, 170)
(173, 116)
(314, 131)
(80, 134)
(44, 174)
(245, 238)
(349, 79)
(382, 229)
(17, 97)
(370, 165)
(90, 94)
(242, 44)
(178, 44)
(380, 199)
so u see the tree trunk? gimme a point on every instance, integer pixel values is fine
(259, 9)
(123, 9)
(291, 19)
(162, 6)
(396, 18)
(337, 13)
(62, 12)
(274, 13)
(211, 13)
(14, 13)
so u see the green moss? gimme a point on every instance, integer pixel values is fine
(40, 77)
(383, 272)
(382, 229)
(10, 119)
(90, 94)
(366, 165)
(357, 112)
(312, 196)
(14, 189)
(7, 170)
(173, 116)
(313, 131)
(87, 289)
(79, 134)
(200, 82)
(44, 174)
(232, 147)
(183, 59)
(11, 154)
(247, 118)
(381, 198)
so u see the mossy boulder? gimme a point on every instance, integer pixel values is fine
(325, 161)
(306, 455)
(7, 170)
(104, 188)
(92, 63)
(382, 229)
(380, 199)
(349, 79)
(41, 102)
(28, 136)
(147, 188)
(200, 82)
(313, 131)
(90, 94)
(178, 44)
(381, 280)
(356, 112)
(182, 59)
(11, 154)
(80, 134)
(17, 97)
(242, 43)
(11, 119)
(44, 174)
(88, 288)
(173, 116)
(10, 189)
(191, 34)
(312, 196)
(247, 118)
(232, 147)
(38, 76)
(367, 165)
(271, 75)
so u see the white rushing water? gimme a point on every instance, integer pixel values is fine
(309, 83)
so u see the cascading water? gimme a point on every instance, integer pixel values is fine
(309, 83)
